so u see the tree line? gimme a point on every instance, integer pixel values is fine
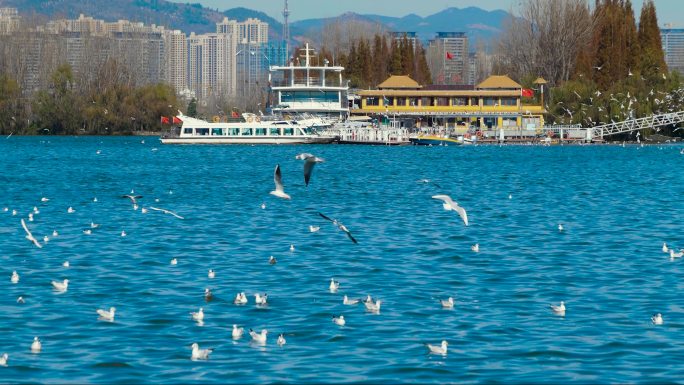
(600, 66)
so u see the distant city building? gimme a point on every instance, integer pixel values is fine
(448, 59)
(250, 31)
(211, 65)
(673, 48)
(9, 20)
(412, 37)
(176, 59)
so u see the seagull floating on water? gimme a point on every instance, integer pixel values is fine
(278, 180)
(281, 340)
(261, 299)
(199, 354)
(87, 231)
(309, 163)
(15, 277)
(44, 199)
(61, 286)
(107, 315)
(237, 332)
(46, 239)
(657, 319)
(123, 233)
(71, 210)
(240, 299)
(340, 226)
(665, 249)
(373, 307)
(20, 300)
(94, 225)
(211, 274)
(447, 303)
(36, 346)
(292, 248)
(208, 296)
(259, 338)
(347, 301)
(199, 315)
(272, 260)
(65, 264)
(438, 349)
(334, 285)
(314, 229)
(54, 233)
(3, 359)
(339, 320)
(560, 227)
(30, 236)
(560, 309)
(449, 204)
(674, 255)
(263, 206)
(475, 247)
(14, 212)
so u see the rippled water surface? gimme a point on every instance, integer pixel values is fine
(617, 205)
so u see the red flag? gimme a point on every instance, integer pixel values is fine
(176, 120)
(527, 93)
(449, 55)
(164, 120)
(234, 114)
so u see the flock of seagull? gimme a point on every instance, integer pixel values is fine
(260, 338)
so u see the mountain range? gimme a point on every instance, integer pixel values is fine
(475, 22)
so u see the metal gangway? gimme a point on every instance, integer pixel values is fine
(634, 125)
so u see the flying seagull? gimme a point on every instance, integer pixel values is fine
(30, 236)
(166, 212)
(340, 226)
(278, 179)
(309, 162)
(451, 205)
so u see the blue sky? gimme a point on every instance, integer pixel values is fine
(669, 11)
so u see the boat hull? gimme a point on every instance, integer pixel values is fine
(248, 140)
(434, 141)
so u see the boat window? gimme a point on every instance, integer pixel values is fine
(187, 130)
(246, 131)
(288, 131)
(260, 131)
(372, 101)
(275, 131)
(202, 131)
(234, 131)
(217, 131)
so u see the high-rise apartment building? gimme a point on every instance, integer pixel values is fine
(9, 20)
(211, 65)
(447, 56)
(176, 59)
(252, 30)
(673, 48)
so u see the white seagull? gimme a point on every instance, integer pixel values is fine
(475, 247)
(199, 354)
(15, 277)
(65, 264)
(261, 299)
(560, 309)
(237, 332)
(240, 299)
(259, 338)
(198, 316)
(560, 227)
(347, 301)
(334, 285)
(438, 349)
(281, 340)
(272, 260)
(133, 198)
(449, 204)
(165, 211)
(339, 321)
(314, 229)
(310, 162)
(211, 274)
(61, 286)
(665, 249)
(36, 346)
(30, 236)
(3, 359)
(278, 180)
(71, 210)
(106, 315)
(373, 307)
(676, 255)
(657, 319)
(340, 226)
(174, 261)
(447, 303)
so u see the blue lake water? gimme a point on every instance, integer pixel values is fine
(617, 205)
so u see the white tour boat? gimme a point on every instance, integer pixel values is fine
(249, 130)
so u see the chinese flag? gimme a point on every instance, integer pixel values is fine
(164, 120)
(449, 55)
(527, 93)
(176, 120)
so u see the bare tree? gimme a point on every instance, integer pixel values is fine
(544, 38)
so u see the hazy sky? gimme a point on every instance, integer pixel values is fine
(669, 11)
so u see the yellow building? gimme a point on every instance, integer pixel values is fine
(494, 103)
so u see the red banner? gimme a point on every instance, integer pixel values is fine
(164, 120)
(527, 93)
(449, 55)
(176, 120)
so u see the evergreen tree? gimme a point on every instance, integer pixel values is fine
(364, 64)
(407, 57)
(653, 64)
(378, 61)
(423, 75)
(395, 66)
(192, 108)
(632, 49)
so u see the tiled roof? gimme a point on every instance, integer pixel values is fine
(399, 82)
(498, 81)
